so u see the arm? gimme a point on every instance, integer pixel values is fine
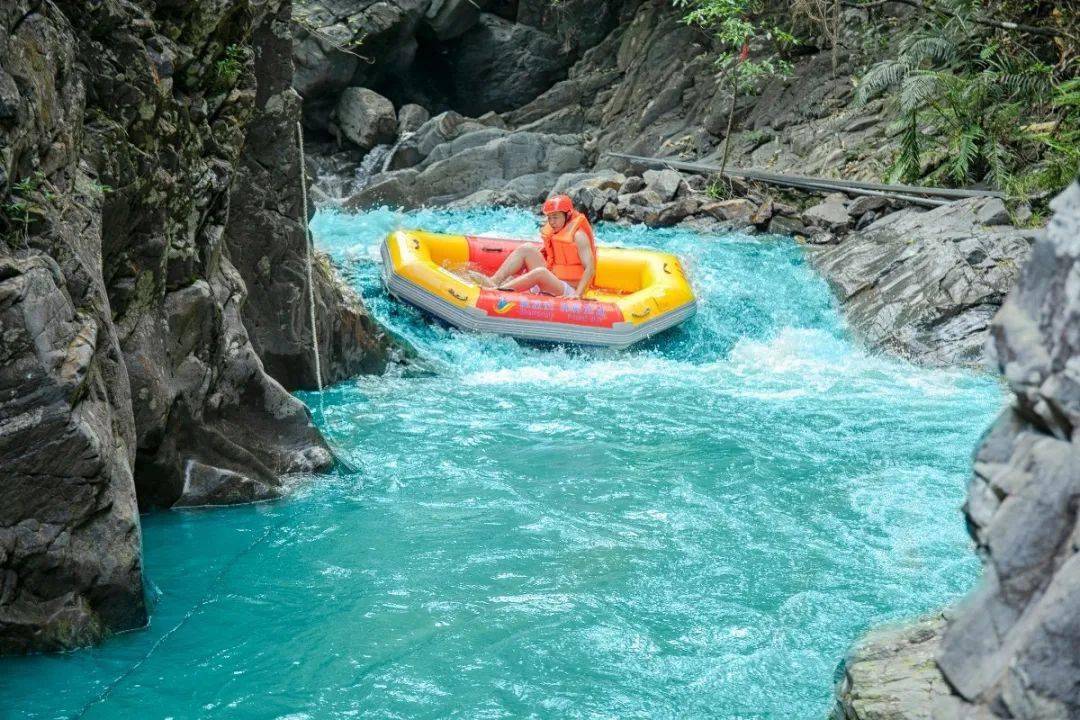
(587, 259)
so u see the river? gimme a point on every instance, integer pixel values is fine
(695, 528)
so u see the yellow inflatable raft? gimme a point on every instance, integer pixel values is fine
(638, 292)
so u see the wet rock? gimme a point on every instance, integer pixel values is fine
(664, 183)
(366, 118)
(738, 210)
(411, 117)
(404, 154)
(891, 675)
(907, 285)
(393, 189)
(127, 375)
(783, 225)
(674, 212)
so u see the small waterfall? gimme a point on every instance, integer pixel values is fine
(372, 164)
(338, 176)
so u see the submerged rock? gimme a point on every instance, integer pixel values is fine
(926, 284)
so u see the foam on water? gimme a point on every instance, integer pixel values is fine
(698, 527)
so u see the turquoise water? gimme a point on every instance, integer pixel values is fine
(694, 529)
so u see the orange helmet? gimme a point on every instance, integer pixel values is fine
(559, 203)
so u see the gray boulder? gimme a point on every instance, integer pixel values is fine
(442, 128)
(664, 183)
(488, 159)
(366, 118)
(993, 212)
(410, 117)
(829, 215)
(447, 19)
(925, 284)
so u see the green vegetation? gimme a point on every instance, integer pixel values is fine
(974, 103)
(23, 205)
(735, 24)
(979, 91)
(228, 68)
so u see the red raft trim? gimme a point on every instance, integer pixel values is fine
(545, 308)
(487, 254)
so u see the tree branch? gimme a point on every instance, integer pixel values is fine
(989, 22)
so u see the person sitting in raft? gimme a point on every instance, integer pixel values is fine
(565, 266)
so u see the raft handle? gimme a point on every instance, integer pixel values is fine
(666, 269)
(454, 293)
(492, 249)
(645, 314)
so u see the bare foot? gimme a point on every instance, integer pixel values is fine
(481, 279)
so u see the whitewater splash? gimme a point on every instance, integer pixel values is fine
(698, 527)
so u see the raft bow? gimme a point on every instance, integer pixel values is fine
(638, 293)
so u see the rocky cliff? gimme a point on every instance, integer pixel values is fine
(1010, 650)
(129, 132)
(640, 80)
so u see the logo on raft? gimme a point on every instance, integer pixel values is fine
(504, 306)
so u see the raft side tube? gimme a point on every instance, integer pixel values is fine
(642, 292)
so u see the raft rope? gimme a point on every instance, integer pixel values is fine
(309, 242)
(207, 598)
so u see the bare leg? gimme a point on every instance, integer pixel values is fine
(541, 277)
(525, 256)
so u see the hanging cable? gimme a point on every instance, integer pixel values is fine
(308, 244)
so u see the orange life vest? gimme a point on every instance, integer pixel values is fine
(560, 250)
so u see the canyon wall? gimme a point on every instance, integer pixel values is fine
(129, 378)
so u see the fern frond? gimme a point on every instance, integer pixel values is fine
(965, 153)
(935, 48)
(880, 77)
(919, 87)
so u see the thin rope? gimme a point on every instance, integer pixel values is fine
(308, 242)
(208, 597)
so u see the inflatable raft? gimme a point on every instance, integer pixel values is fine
(638, 293)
